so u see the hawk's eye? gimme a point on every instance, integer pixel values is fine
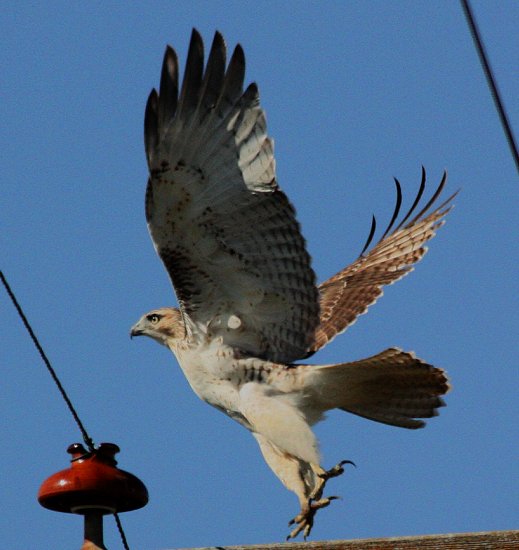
(153, 318)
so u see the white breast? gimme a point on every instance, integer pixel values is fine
(212, 372)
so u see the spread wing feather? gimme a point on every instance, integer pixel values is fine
(350, 292)
(226, 233)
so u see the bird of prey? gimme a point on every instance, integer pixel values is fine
(250, 308)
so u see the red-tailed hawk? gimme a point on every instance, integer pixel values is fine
(249, 304)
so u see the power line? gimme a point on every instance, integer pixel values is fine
(478, 42)
(86, 438)
(121, 531)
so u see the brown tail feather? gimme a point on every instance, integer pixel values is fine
(393, 387)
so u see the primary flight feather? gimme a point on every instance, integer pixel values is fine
(249, 303)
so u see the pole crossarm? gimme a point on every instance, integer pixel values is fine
(491, 540)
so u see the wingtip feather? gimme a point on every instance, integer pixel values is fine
(168, 90)
(151, 125)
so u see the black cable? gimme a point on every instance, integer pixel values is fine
(121, 532)
(476, 37)
(86, 438)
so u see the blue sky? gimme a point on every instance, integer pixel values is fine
(355, 93)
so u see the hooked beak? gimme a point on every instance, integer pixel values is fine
(136, 331)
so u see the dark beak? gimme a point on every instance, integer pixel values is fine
(135, 332)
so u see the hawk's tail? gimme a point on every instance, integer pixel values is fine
(393, 387)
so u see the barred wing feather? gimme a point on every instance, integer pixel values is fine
(224, 230)
(350, 292)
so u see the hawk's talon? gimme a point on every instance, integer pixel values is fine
(325, 475)
(305, 520)
(337, 470)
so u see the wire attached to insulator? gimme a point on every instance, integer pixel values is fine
(87, 439)
(121, 531)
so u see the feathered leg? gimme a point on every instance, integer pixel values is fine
(306, 480)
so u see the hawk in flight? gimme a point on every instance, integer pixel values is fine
(250, 308)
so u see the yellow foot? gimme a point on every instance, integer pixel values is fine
(325, 475)
(305, 520)
(337, 470)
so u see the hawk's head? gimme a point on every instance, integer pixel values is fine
(160, 324)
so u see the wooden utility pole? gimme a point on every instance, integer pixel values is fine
(492, 540)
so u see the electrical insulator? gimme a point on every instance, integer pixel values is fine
(93, 486)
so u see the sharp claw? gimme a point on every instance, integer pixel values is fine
(304, 521)
(337, 470)
(296, 532)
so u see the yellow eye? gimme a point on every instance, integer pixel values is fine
(153, 318)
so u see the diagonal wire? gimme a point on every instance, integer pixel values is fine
(121, 531)
(476, 37)
(87, 439)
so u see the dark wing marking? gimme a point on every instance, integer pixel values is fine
(226, 233)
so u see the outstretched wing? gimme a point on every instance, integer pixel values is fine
(225, 231)
(350, 292)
